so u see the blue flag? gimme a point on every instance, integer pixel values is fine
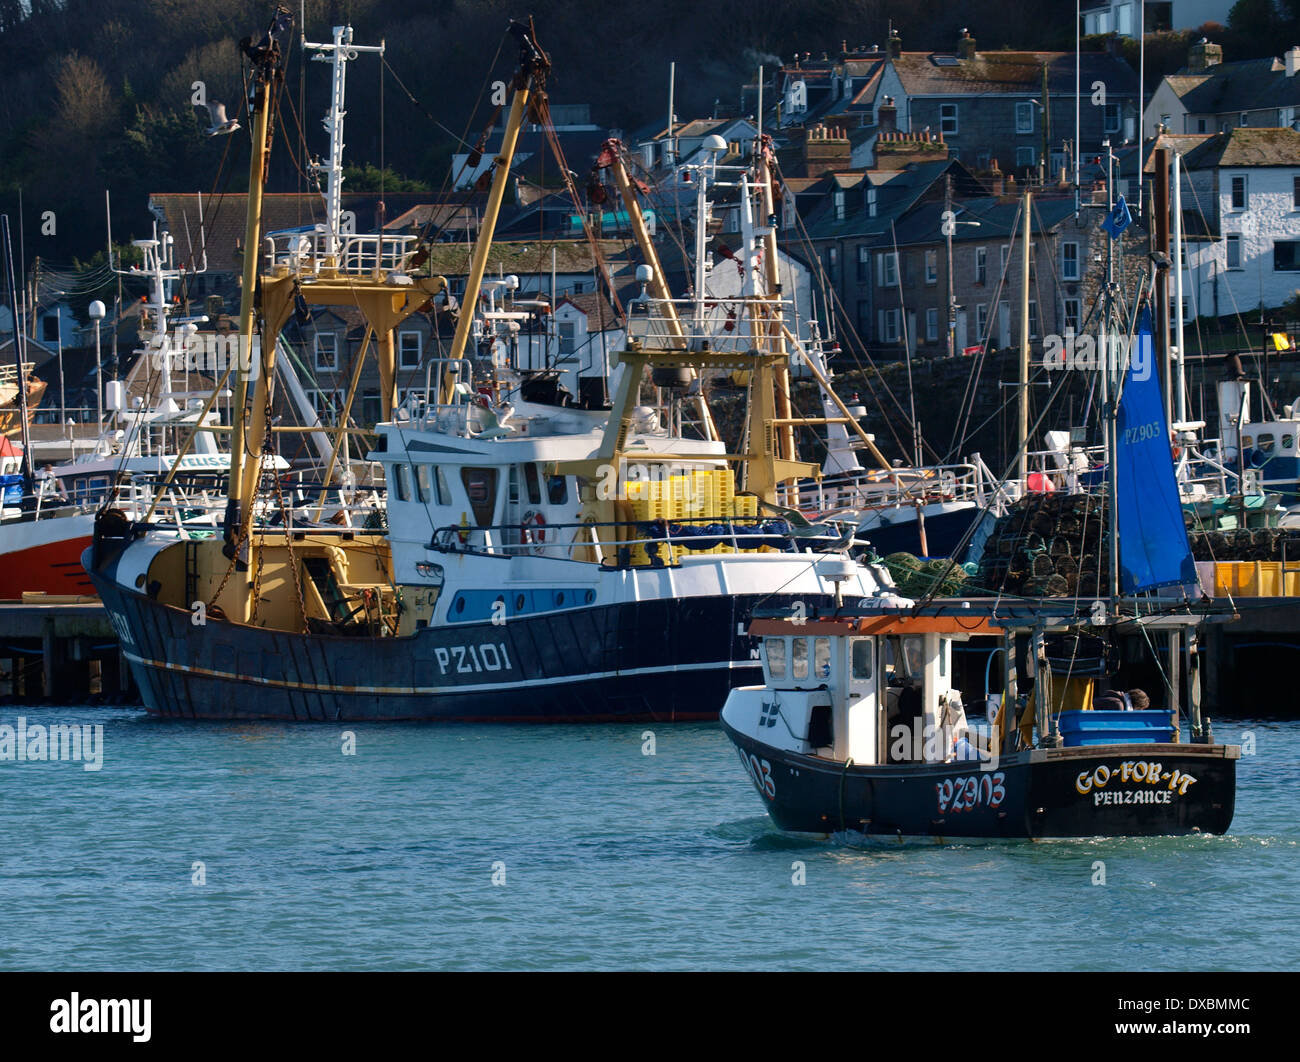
(1118, 219)
(1153, 547)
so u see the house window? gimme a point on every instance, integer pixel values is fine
(864, 317)
(1026, 156)
(871, 202)
(1295, 192)
(1200, 125)
(981, 322)
(1071, 315)
(1233, 245)
(567, 332)
(981, 265)
(409, 350)
(1069, 261)
(1285, 256)
(833, 264)
(864, 264)
(931, 324)
(1005, 253)
(1033, 319)
(931, 267)
(890, 325)
(839, 204)
(328, 404)
(1024, 117)
(50, 328)
(948, 119)
(889, 269)
(1112, 118)
(327, 352)
(372, 410)
(1240, 198)
(1245, 119)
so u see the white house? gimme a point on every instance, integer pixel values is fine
(1121, 16)
(1241, 210)
(1211, 96)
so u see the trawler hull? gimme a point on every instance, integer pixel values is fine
(1091, 791)
(44, 556)
(655, 660)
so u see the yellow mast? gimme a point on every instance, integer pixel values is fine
(533, 67)
(246, 443)
(658, 284)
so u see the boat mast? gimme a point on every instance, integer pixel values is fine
(1025, 231)
(19, 349)
(531, 78)
(1180, 381)
(1110, 410)
(337, 53)
(248, 427)
(658, 284)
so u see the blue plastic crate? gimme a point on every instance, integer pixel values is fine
(12, 488)
(1115, 728)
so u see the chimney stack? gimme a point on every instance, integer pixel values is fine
(995, 179)
(887, 116)
(966, 46)
(895, 45)
(1203, 55)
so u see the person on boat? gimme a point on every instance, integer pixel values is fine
(50, 487)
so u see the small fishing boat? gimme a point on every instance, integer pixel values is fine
(857, 728)
(858, 725)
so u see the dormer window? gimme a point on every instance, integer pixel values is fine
(839, 204)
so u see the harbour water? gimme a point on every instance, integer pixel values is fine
(237, 847)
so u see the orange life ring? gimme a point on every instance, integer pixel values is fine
(532, 531)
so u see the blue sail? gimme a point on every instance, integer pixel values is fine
(1153, 547)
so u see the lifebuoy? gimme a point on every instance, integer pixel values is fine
(533, 531)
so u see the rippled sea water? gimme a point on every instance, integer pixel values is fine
(604, 858)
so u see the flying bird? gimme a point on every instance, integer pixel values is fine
(221, 125)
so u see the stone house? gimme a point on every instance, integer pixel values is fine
(1211, 96)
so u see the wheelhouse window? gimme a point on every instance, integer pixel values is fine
(862, 658)
(402, 482)
(774, 648)
(557, 490)
(532, 485)
(822, 657)
(799, 658)
(481, 489)
(424, 483)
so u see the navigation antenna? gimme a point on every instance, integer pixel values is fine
(338, 52)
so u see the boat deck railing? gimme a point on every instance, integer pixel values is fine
(878, 488)
(722, 326)
(309, 253)
(629, 544)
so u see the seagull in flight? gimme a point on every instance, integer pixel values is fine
(221, 125)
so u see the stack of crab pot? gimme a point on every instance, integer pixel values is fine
(1048, 545)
